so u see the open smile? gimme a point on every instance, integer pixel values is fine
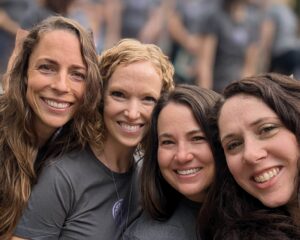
(188, 171)
(57, 104)
(130, 127)
(266, 175)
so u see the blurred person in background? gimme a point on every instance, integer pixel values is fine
(229, 49)
(280, 43)
(11, 14)
(43, 9)
(187, 22)
(142, 19)
(102, 17)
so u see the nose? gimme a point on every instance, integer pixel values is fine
(183, 153)
(61, 83)
(254, 151)
(133, 111)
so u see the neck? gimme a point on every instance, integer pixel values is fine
(117, 159)
(43, 136)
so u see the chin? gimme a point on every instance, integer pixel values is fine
(273, 204)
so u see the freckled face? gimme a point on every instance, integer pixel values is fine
(129, 99)
(184, 155)
(56, 80)
(261, 153)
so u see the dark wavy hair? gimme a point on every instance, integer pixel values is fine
(229, 212)
(18, 140)
(159, 199)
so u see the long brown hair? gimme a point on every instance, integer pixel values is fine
(230, 213)
(18, 139)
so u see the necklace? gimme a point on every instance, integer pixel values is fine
(101, 157)
(123, 225)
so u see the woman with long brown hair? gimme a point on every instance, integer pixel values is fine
(45, 109)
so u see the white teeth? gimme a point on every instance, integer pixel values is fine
(266, 176)
(57, 104)
(188, 171)
(130, 128)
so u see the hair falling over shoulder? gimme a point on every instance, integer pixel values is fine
(229, 212)
(20, 160)
(16, 172)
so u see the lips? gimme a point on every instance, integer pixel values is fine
(267, 175)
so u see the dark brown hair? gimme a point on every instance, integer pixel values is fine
(158, 197)
(229, 212)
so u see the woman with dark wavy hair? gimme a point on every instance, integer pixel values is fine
(178, 167)
(256, 193)
(45, 110)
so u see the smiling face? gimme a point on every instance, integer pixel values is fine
(56, 81)
(261, 153)
(184, 156)
(129, 99)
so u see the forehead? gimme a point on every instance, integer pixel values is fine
(174, 115)
(243, 109)
(137, 76)
(58, 41)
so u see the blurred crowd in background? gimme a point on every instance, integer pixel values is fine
(210, 42)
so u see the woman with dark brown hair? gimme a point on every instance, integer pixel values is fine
(256, 193)
(178, 167)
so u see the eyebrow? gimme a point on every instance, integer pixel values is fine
(188, 133)
(49, 60)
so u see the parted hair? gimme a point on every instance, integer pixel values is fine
(128, 51)
(229, 212)
(18, 139)
(159, 199)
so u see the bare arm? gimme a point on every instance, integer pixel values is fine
(7, 23)
(206, 62)
(17, 238)
(150, 32)
(251, 59)
(265, 43)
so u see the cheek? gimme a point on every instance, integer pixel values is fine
(164, 158)
(147, 113)
(233, 166)
(31, 97)
(79, 90)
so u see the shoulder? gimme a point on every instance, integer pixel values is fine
(73, 166)
(76, 159)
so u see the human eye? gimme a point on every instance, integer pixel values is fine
(46, 68)
(268, 129)
(79, 76)
(117, 94)
(165, 142)
(150, 100)
(198, 138)
(232, 146)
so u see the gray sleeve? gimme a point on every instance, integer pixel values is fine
(48, 206)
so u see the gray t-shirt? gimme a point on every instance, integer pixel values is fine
(135, 15)
(180, 226)
(76, 198)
